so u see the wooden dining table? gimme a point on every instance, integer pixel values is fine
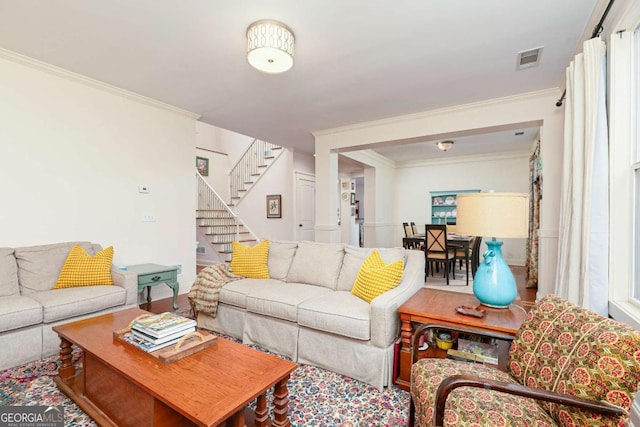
(457, 241)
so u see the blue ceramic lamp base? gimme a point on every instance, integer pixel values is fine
(493, 283)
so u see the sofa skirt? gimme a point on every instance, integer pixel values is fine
(20, 346)
(277, 335)
(229, 321)
(356, 359)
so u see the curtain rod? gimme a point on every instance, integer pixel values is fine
(596, 32)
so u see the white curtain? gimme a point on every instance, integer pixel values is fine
(583, 246)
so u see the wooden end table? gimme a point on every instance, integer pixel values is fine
(431, 306)
(153, 274)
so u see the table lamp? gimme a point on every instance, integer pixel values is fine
(503, 215)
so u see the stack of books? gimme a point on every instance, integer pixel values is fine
(475, 351)
(159, 331)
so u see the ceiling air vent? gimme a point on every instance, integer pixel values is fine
(529, 58)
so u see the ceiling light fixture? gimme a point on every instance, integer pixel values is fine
(270, 46)
(444, 145)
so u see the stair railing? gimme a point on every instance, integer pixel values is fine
(209, 199)
(246, 171)
(210, 202)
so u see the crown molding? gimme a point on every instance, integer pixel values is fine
(87, 81)
(463, 159)
(370, 158)
(551, 92)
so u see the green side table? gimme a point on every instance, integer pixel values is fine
(153, 274)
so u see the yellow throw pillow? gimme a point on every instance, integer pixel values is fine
(82, 269)
(375, 277)
(250, 262)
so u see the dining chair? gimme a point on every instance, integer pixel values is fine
(464, 255)
(437, 250)
(475, 255)
(414, 228)
(408, 232)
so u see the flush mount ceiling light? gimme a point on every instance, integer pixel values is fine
(444, 145)
(270, 46)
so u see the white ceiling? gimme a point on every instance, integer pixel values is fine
(355, 60)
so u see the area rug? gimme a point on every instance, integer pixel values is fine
(459, 284)
(317, 397)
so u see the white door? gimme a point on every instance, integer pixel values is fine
(306, 206)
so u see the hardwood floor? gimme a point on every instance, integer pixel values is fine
(165, 304)
(527, 295)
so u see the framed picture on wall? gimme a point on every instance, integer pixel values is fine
(202, 164)
(353, 199)
(274, 206)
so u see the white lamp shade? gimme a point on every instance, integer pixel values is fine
(270, 46)
(501, 215)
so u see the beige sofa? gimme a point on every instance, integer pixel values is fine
(29, 307)
(306, 311)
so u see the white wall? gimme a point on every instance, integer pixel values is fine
(72, 155)
(503, 173)
(208, 146)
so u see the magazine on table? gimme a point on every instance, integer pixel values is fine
(163, 324)
(486, 352)
(171, 337)
(146, 345)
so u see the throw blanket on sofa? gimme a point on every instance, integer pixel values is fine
(205, 291)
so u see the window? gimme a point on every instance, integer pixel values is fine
(624, 172)
(635, 147)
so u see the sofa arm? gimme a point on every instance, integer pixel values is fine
(127, 280)
(451, 383)
(384, 318)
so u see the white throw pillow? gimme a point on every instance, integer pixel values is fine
(280, 256)
(317, 264)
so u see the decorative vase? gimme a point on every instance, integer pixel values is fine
(493, 283)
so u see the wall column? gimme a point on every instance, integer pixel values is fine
(327, 196)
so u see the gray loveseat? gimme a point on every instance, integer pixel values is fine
(306, 310)
(29, 307)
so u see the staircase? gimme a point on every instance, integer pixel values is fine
(218, 223)
(215, 219)
(254, 162)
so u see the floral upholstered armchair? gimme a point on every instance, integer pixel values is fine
(567, 366)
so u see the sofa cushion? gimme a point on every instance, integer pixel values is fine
(8, 273)
(353, 258)
(376, 277)
(235, 293)
(82, 269)
(19, 312)
(250, 261)
(60, 304)
(337, 312)
(317, 264)
(39, 266)
(280, 257)
(281, 299)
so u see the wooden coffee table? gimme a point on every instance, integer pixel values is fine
(118, 385)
